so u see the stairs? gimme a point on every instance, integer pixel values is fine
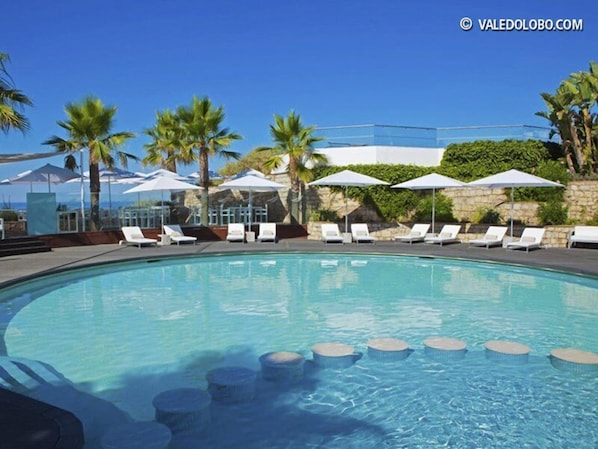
(22, 245)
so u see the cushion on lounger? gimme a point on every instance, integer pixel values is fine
(445, 235)
(415, 234)
(267, 233)
(491, 237)
(330, 234)
(137, 236)
(176, 234)
(362, 233)
(528, 239)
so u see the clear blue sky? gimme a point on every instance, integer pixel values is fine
(334, 62)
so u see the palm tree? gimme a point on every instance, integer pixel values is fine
(204, 137)
(12, 101)
(294, 143)
(167, 141)
(89, 125)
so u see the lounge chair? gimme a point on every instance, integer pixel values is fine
(417, 234)
(530, 238)
(448, 234)
(176, 235)
(360, 233)
(493, 237)
(236, 232)
(134, 236)
(267, 232)
(331, 233)
(580, 234)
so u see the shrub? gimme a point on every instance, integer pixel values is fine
(486, 215)
(443, 209)
(552, 213)
(324, 215)
(9, 215)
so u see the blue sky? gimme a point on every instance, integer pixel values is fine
(335, 63)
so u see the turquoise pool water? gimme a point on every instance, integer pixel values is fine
(125, 333)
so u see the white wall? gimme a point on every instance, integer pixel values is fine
(340, 156)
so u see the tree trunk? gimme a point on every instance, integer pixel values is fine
(204, 182)
(94, 199)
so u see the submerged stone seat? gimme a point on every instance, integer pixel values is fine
(388, 349)
(334, 355)
(282, 366)
(183, 410)
(507, 351)
(574, 360)
(445, 348)
(231, 384)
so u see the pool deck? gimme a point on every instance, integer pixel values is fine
(15, 268)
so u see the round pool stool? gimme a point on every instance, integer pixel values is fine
(387, 349)
(574, 360)
(231, 384)
(444, 348)
(137, 435)
(334, 355)
(183, 410)
(282, 366)
(507, 351)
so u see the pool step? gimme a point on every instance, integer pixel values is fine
(22, 245)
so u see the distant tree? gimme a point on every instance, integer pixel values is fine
(294, 145)
(254, 159)
(203, 136)
(12, 101)
(572, 113)
(89, 125)
(165, 149)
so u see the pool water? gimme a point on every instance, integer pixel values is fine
(125, 333)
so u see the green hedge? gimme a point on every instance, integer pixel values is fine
(464, 161)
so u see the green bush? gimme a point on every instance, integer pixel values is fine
(443, 209)
(486, 215)
(468, 161)
(324, 215)
(9, 215)
(552, 213)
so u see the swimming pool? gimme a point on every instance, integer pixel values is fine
(126, 332)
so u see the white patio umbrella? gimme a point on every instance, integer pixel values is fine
(252, 183)
(48, 174)
(346, 179)
(511, 179)
(432, 182)
(111, 176)
(162, 172)
(162, 184)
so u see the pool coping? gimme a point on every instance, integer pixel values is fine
(16, 269)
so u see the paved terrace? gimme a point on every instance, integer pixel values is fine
(22, 425)
(15, 268)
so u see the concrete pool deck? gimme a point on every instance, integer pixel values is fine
(16, 268)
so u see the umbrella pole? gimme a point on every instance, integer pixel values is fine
(346, 209)
(82, 194)
(250, 211)
(433, 207)
(512, 188)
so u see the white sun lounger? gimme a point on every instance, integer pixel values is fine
(417, 234)
(448, 234)
(493, 237)
(583, 234)
(134, 236)
(360, 233)
(176, 235)
(267, 232)
(531, 238)
(236, 232)
(331, 233)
